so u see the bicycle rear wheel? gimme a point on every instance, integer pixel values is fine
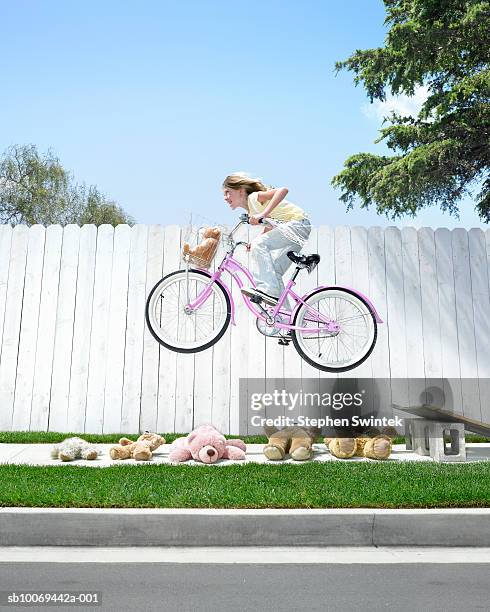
(337, 351)
(179, 330)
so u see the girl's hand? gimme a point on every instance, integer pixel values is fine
(254, 219)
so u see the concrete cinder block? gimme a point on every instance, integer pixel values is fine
(420, 436)
(441, 451)
(427, 438)
(409, 433)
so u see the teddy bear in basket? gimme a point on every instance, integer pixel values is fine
(203, 253)
(206, 444)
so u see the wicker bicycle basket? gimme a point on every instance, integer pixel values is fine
(200, 245)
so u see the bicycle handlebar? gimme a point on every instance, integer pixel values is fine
(264, 221)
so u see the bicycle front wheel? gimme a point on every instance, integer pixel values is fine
(179, 329)
(335, 351)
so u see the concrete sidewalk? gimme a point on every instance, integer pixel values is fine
(39, 454)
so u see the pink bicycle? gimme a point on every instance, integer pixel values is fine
(333, 328)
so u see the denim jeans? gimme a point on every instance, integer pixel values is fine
(268, 254)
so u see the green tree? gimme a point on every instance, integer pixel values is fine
(35, 188)
(444, 152)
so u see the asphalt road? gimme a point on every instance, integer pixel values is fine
(256, 587)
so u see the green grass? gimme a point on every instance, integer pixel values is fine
(310, 485)
(38, 437)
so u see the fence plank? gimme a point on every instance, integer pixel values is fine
(448, 320)
(344, 269)
(63, 341)
(151, 353)
(184, 380)
(308, 282)
(41, 393)
(11, 326)
(5, 246)
(430, 314)
(116, 330)
(133, 363)
(203, 368)
(239, 341)
(221, 360)
(82, 329)
(394, 317)
(168, 359)
(326, 268)
(380, 358)
(256, 342)
(29, 328)
(360, 279)
(465, 324)
(480, 299)
(485, 408)
(413, 314)
(430, 303)
(94, 415)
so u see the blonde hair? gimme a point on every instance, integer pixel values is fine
(242, 179)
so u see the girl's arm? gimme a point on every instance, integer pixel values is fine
(276, 196)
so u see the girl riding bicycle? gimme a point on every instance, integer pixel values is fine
(269, 260)
(333, 328)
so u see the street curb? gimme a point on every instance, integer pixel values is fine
(217, 527)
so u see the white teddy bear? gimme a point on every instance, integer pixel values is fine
(74, 448)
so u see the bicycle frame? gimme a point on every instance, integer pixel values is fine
(234, 267)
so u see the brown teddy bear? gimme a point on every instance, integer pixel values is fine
(295, 440)
(206, 249)
(141, 450)
(378, 447)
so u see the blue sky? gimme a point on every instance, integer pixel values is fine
(156, 101)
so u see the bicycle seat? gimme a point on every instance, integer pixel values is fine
(305, 261)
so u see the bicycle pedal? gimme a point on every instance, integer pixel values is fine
(284, 342)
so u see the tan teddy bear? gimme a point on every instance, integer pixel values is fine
(297, 441)
(141, 450)
(378, 447)
(205, 250)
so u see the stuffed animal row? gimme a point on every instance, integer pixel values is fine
(207, 445)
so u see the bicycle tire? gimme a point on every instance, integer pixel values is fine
(206, 345)
(326, 368)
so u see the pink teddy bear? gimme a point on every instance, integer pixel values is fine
(206, 444)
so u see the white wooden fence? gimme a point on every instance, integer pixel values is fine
(76, 354)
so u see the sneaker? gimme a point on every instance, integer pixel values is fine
(251, 292)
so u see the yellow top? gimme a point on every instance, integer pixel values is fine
(284, 211)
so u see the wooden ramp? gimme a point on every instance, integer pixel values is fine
(432, 413)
